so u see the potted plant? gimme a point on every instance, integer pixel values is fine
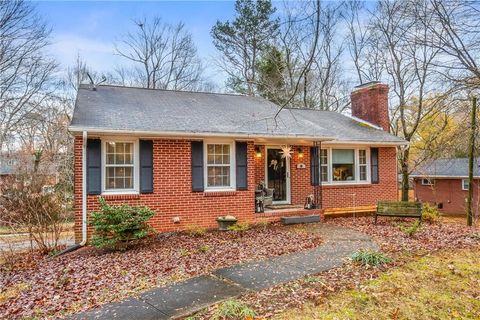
(225, 222)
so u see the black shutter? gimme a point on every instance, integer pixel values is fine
(241, 163)
(197, 166)
(314, 170)
(94, 166)
(374, 165)
(146, 166)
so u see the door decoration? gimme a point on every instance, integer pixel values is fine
(286, 152)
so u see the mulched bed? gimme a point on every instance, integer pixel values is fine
(395, 243)
(89, 277)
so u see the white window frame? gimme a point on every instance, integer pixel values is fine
(233, 180)
(357, 165)
(427, 182)
(463, 184)
(136, 166)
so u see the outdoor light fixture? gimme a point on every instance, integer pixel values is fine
(258, 153)
(300, 152)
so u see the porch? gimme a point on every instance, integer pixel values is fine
(283, 180)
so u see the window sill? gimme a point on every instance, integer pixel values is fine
(219, 193)
(121, 196)
(347, 185)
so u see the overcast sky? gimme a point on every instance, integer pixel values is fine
(90, 28)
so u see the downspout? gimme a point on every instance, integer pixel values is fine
(84, 189)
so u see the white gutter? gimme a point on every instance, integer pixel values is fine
(196, 134)
(84, 189)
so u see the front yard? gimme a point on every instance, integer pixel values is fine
(440, 261)
(36, 286)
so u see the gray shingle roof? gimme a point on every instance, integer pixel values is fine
(453, 167)
(126, 109)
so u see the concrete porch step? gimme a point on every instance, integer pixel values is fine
(300, 219)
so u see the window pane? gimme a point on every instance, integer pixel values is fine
(323, 156)
(218, 149)
(218, 176)
(210, 148)
(210, 159)
(343, 172)
(110, 159)
(120, 158)
(218, 159)
(362, 156)
(363, 173)
(324, 173)
(343, 164)
(110, 147)
(341, 156)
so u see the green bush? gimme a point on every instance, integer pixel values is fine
(410, 230)
(370, 258)
(239, 227)
(233, 309)
(116, 226)
(196, 231)
(430, 213)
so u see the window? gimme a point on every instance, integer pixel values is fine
(219, 166)
(324, 165)
(362, 164)
(427, 182)
(465, 184)
(119, 166)
(343, 164)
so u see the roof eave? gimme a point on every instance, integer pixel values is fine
(185, 134)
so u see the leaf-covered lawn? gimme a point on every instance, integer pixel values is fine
(440, 286)
(89, 277)
(318, 289)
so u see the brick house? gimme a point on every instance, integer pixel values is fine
(444, 183)
(192, 157)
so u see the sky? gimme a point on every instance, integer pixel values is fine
(90, 28)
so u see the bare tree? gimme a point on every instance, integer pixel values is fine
(454, 27)
(164, 56)
(25, 71)
(410, 71)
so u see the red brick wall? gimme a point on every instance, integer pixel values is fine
(338, 196)
(172, 195)
(370, 103)
(448, 192)
(369, 194)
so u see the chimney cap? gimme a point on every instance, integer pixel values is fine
(367, 84)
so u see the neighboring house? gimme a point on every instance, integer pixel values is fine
(193, 157)
(7, 167)
(444, 183)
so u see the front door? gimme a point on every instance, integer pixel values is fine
(278, 175)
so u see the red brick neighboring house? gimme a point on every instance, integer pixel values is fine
(444, 183)
(193, 157)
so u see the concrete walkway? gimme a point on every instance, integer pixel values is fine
(196, 293)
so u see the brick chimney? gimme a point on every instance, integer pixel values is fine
(370, 103)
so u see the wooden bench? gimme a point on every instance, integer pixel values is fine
(403, 209)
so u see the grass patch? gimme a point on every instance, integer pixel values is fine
(370, 258)
(233, 309)
(442, 286)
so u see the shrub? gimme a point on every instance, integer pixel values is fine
(196, 231)
(204, 248)
(239, 227)
(410, 230)
(370, 258)
(26, 207)
(233, 309)
(430, 213)
(116, 226)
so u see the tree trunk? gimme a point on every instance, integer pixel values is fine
(471, 150)
(405, 173)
